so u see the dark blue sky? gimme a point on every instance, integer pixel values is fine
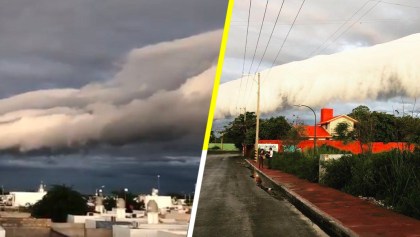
(86, 172)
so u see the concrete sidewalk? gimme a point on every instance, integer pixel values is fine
(338, 213)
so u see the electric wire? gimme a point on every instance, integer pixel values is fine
(284, 41)
(402, 5)
(258, 39)
(288, 33)
(256, 46)
(243, 64)
(350, 26)
(271, 35)
(338, 29)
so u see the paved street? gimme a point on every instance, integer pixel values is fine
(231, 204)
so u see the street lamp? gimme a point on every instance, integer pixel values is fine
(125, 194)
(314, 124)
(158, 182)
(98, 191)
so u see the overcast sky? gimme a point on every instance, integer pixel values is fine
(106, 92)
(322, 28)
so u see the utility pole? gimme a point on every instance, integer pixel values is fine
(257, 130)
(244, 125)
(221, 140)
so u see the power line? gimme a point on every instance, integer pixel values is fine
(399, 4)
(269, 39)
(284, 41)
(350, 26)
(271, 35)
(330, 22)
(246, 44)
(258, 39)
(246, 38)
(339, 28)
(256, 46)
(287, 35)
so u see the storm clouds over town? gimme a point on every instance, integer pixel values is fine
(94, 93)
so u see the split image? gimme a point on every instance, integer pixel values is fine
(103, 110)
(304, 113)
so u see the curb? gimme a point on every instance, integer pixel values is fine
(327, 223)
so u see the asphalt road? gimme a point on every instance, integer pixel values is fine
(231, 204)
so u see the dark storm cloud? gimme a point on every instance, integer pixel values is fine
(58, 44)
(106, 92)
(161, 93)
(120, 71)
(137, 178)
(133, 166)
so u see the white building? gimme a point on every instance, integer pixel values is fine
(163, 202)
(2, 232)
(159, 230)
(27, 198)
(170, 221)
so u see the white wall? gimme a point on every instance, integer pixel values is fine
(2, 232)
(162, 201)
(267, 146)
(82, 219)
(171, 233)
(120, 231)
(23, 198)
(334, 124)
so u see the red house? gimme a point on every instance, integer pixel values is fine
(325, 129)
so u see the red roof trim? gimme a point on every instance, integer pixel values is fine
(320, 132)
(337, 117)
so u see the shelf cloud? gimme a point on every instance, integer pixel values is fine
(379, 72)
(160, 93)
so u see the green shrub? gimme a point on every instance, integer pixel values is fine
(338, 173)
(298, 163)
(391, 177)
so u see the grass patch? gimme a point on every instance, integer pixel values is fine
(226, 146)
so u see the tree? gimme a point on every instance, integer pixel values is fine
(376, 126)
(237, 130)
(109, 203)
(241, 130)
(212, 137)
(360, 111)
(342, 132)
(385, 127)
(58, 203)
(364, 128)
(294, 136)
(274, 128)
(409, 129)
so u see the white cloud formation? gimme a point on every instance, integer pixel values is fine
(162, 92)
(314, 28)
(379, 72)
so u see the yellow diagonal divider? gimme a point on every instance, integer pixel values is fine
(211, 115)
(218, 75)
